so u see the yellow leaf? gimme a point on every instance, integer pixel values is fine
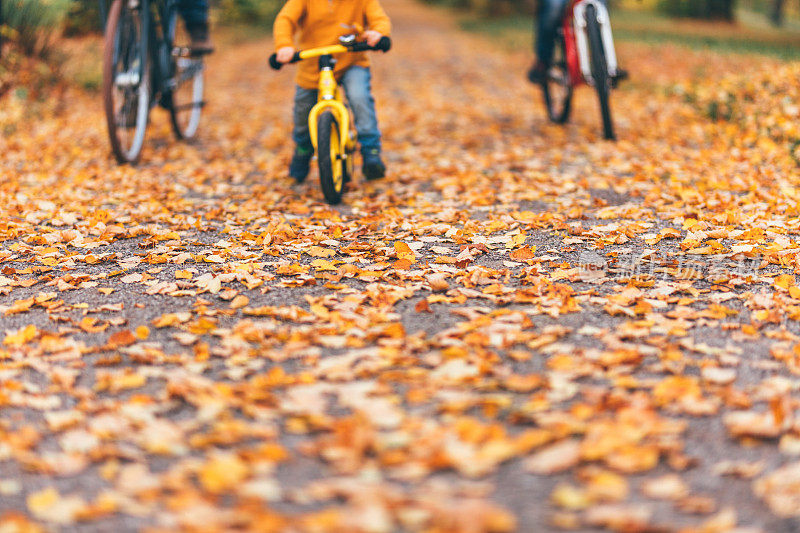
(222, 473)
(319, 251)
(516, 240)
(784, 281)
(322, 264)
(21, 336)
(404, 251)
(183, 274)
(570, 497)
(240, 301)
(20, 306)
(42, 500)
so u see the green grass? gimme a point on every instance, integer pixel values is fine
(751, 35)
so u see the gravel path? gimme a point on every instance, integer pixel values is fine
(523, 328)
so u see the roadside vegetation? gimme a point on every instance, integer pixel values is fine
(47, 42)
(654, 22)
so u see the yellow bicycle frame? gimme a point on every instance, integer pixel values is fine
(330, 98)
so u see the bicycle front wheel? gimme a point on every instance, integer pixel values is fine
(126, 80)
(186, 102)
(557, 85)
(332, 166)
(599, 64)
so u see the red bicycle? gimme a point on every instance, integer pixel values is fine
(584, 55)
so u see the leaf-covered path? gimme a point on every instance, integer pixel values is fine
(522, 328)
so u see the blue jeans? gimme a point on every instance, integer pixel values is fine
(548, 20)
(357, 84)
(194, 12)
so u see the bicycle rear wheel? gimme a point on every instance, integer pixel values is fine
(186, 99)
(557, 86)
(332, 168)
(126, 80)
(599, 64)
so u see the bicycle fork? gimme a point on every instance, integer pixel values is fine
(582, 40)
(330, 100)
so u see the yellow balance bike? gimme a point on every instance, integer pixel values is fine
(330, 121)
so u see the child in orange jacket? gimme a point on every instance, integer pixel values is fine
(321, 23)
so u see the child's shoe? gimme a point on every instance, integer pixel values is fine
(538, 73)
(373, 167)
(201, 39)
(301, 164)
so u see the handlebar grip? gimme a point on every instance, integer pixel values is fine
(384, 45)
(274, 63)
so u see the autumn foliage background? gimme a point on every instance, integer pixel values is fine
(524, 327)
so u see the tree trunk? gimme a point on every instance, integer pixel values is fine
(702, 9)
(720, 9)
(776, 15)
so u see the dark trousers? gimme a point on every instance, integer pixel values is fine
(194, 12)
(548, 19)
(357, 84)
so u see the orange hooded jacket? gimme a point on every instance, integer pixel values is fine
(321, 23)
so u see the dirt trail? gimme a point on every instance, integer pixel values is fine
(198, 343)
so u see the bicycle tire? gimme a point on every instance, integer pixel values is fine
(124, 26)
(599, 65)
(557, 86)
(185, 107)
(332, 169)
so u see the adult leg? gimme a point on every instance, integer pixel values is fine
(195, 14)
(548, 18)
(547, 21)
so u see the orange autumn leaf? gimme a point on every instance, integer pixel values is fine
(21, 336)
(523, 254)
(422, 306)
(122, 338)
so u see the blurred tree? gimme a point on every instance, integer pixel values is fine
(84, 17)
(777, 11)
(490, 8)
(32, 23)
(705, 9)
(251, 12)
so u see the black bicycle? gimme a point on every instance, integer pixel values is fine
(148, 61)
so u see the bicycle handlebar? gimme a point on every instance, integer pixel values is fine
(276, 65)
(384, 45)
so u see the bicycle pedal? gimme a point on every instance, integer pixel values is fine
(189, 52)
(620, 76)
(192, 105)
